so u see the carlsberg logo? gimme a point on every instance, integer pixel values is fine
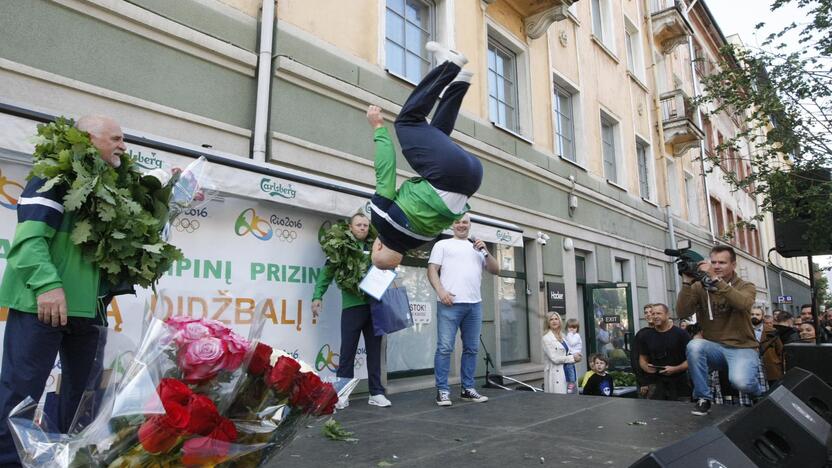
(277, 189)
(146, 162)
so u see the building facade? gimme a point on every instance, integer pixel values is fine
(578, 111)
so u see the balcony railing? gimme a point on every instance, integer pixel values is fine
(680, 130)
(670, 24)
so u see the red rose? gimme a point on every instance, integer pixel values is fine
(282, 376)
(260, 359)
(174, 390)
(303, 394)
(203, 415)
(225, 431)
(325, 398)
(204, 451)
(157, 435)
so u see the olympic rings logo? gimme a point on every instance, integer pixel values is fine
(249, 222)
(7, 200)
(186, 225)
(359, 362)
(325, 359)
(286, 235)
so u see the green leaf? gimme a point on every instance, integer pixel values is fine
(153, 248)
(81, 232)
(333, 430)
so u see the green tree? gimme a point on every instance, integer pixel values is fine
(781, 94)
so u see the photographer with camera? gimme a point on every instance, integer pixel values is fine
(722, 303)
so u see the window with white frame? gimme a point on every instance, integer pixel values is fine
(608, 147)
(602, 22)
(643, 159)
(564, 123)
(502, 85)
(692, 199)
(409, 26)
(635, 56)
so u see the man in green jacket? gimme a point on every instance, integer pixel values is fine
(55, 299)
(355, 320)
(423, 206)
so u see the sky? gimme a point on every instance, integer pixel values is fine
(740, 17)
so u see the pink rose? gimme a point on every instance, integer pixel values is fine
(192, 331)
(237, 347)
(179, 321)
(202, 359)
(217, 327)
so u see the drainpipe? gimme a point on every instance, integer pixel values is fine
(264, 82)
(672, 242)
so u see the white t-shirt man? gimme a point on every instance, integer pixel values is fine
(460, 269)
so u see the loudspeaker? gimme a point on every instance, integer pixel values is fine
(707, 448)
(781, 431)
(815, 358)
(790, 235)
(810, 389)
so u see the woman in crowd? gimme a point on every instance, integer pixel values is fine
(557, 354)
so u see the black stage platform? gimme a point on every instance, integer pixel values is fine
(511, 429)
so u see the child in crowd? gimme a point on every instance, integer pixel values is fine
(600, 383)
(575, 345)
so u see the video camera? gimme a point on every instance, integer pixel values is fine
(687, 263)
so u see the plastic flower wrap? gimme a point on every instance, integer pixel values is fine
(195, 394)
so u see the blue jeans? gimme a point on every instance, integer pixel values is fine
(427, 147)
(468, 319)
(742, 365)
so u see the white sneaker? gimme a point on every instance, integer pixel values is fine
(443, 54)
(343, 402)
(469, 394)
(379, 400)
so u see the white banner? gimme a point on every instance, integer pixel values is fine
(241, 255)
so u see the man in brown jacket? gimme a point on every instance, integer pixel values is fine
(771, 347)
(725, 317)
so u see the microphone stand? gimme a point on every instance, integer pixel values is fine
(492, 384)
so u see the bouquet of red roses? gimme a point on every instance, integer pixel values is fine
(196, 394)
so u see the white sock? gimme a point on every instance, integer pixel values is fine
(464, 76)
(443, 54)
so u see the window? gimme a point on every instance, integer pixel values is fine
(692, 200)
(719, 223)
(729, 214)
(635, 57)
(564, 124)
(409, 27)
(608, 148)
(642, 152)
(512, 304)
(619, 271)
(601, 22)
(707, 129)
(502, 86)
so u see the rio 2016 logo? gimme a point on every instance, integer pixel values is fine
(9, 192)
(249, 222)
(326, 359)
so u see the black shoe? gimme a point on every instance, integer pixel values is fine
(443, 398)
(469, 394)
(702, 407)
